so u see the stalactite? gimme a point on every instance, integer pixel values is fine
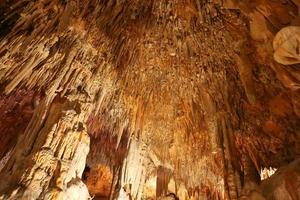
(47, 154)
(162, 181)
(188, 86)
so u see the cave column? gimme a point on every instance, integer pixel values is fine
(132, 176)
(50, 156)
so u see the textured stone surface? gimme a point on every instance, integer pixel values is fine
(206, 90)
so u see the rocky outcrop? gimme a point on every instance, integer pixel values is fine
(284, 184)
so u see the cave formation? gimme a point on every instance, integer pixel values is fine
(150, 99)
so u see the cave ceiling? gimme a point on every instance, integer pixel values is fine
(203, 92)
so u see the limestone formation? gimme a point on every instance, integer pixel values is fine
(286, 45)
(149, 99)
